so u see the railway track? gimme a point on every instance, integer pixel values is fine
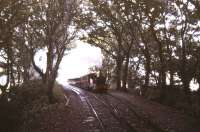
(133, 121)
(153, 127)
(87, 102)
(108, 120)
(121, 110)
(115, 112)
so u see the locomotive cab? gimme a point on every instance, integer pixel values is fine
(101, 83)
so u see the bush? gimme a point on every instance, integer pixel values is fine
(175, 97)
(26, 105)
(35, 103)
(10, 116)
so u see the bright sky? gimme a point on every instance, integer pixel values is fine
(77, 62)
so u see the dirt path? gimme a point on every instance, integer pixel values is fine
(166, 117)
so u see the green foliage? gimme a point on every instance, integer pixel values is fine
(32, 102)
(156, 40)
(30, 26)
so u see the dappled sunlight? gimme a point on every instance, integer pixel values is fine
(41, 59)
(194, 85)
(3, 80)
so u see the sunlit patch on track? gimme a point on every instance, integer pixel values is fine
(87, 102)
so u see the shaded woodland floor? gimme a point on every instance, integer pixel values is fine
(29, 111)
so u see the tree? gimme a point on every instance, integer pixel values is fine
(109, 26)
(13, 14)
(51, 29)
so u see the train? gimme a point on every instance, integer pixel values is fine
(91, 82)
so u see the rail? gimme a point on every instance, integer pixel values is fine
(85, 98)
(115, 112)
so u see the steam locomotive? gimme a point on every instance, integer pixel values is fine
(90, 82)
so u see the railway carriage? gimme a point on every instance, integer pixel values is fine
(89, 82)
(85, 82)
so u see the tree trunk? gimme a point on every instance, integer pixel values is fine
(37, 69)
(147, 69)
(171, 78)
(51, 81)
(25, 75)
(147, 72)
(18, 75)
(147, 65)
(186, 85)
(118, 72)
(26, 62)
(162, 74)
(125, 74)
(50, 85)
(12, 75)
(4, 87)
(52, 71)
(184, 76)
(184, 72)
